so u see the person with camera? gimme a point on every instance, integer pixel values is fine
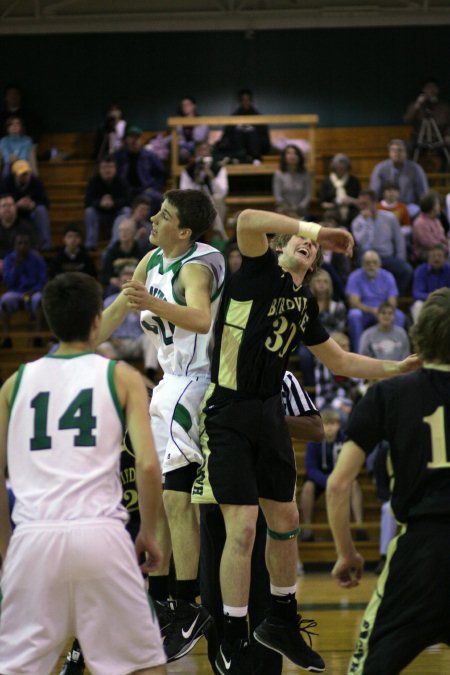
(205, 174)
(428, 106)
(110, 134)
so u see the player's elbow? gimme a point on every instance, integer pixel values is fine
(244, 220)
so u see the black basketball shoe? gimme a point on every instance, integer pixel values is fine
(235, 659)
(165, 611)
(285, 638)
(74, 663)
(190, 623)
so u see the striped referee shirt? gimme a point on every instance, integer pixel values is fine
(296, 400)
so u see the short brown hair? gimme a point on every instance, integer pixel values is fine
(70, 302)
(431, 333)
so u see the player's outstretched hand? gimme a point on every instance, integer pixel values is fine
(409, 364)
(148, 547)
(348, 570)
(336, 239)
(137, 295)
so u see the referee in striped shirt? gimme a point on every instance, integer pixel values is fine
(304, 424)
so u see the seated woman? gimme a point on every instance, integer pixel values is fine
(427, 229)
(189, 136)
(332, 314)
(291, 184)
(340, 189)
(16, 145)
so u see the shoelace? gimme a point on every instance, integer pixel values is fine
(305, 625)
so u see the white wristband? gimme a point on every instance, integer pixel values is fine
(308, 230)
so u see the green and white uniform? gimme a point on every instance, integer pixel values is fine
(63, 449)
(184, 356)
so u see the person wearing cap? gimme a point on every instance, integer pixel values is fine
(31, 199)
(141, 168)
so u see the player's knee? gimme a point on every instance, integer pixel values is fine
(284, 519)
(177, 504)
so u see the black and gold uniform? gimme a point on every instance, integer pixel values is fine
(129, 489)
(409, 610)
(245, 441)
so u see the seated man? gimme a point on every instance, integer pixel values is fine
(409, 176)
(107, 196)
(141, 207)
(430, 275)
(380, 231)
(385, 340)
(366, 289)
(244, 142)
(320, 460)
(128, 341)
(31, 200)
(72, 256)
(11, 224)
(141, 168)
(24, 275)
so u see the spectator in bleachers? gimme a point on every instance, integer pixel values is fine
(188, 137)
(245, 143)
(391, 202)
(203, 173)
(407, 174)
(385, 340)
(11, 225)
(140, 215)
(31, 200)
(427, 229)
(380, 231)
(320, 459)
(340, 189)
(24, 275)
(291, 183)
(429, 276)
(367, 288)
(128, 341)
(337, 265)
(233, 258)
(13, 105)
(15, 145)
(125, 251)
(377, 465)
(332, 314)
(141, 168)
(428, 105)
(110, 134)
(107, 196)
(72, 256)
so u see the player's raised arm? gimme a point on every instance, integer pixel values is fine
(354, 365)
(253, 226)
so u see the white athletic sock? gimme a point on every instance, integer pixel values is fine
(283, 590)
(238, 612)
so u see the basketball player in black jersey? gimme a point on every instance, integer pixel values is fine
(409, 610)
(248, 458)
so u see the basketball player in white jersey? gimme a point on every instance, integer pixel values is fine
(70, 567)
(177, 287)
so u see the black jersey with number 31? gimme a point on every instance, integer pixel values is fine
(411, 412)
(263, 316)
